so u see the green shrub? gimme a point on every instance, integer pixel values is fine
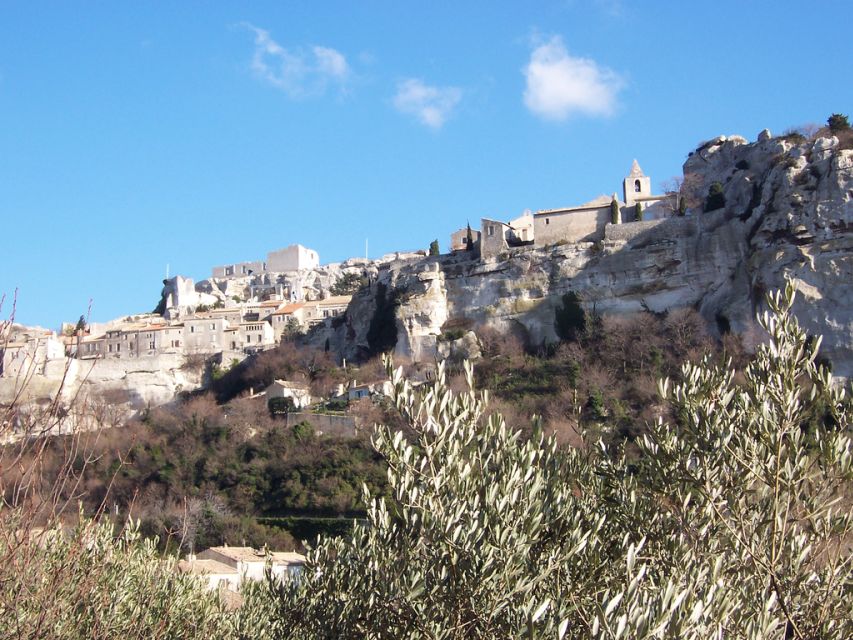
(90, 583)
(569, 317)
(280, 406)
(595, 405)
(838, 122)
(347, 284)
(434, 249)
(302, 431)
(638, 209)
(716, 199)
(614, 212)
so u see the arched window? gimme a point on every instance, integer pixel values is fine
(637, 187)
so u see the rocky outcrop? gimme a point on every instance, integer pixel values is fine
(785, 212)
(85, 389)
(306, 284)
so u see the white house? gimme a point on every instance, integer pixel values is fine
(218, 575)
(292, 258)
(250, 563)
(298, 392)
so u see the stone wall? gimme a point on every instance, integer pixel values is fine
(493, 236)
(570, 226)
(628, 230)
(238, 269)
(325, 424)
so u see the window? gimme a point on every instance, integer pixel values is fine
(637, 186)
(118, 348)
(192, 329)
(151, 345)
(547, 221)
(110, 348)
(212, 326)
(491, 230)
(248, 338)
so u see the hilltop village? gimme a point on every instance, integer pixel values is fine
(745, 216)
(247, 307)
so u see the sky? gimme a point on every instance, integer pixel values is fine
(136, 137)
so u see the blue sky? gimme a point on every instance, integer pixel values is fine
(136, 135)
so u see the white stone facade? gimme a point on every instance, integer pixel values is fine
(292, 258)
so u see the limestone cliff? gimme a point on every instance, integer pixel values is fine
(757, 212)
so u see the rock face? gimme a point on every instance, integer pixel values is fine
(307, 284)
(786, 212)
(103, 391)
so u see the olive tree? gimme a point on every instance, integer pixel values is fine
(88, 582)
(734, 522)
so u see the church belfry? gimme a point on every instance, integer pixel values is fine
(636, 185)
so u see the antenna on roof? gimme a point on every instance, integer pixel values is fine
(365, 249)
(167, 271)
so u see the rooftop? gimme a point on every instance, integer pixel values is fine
(248, 554)
(636, 171)
(204, 566)
(596, 203)
(288, 308)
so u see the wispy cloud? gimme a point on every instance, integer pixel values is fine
(432, 106)
(299, 72)
(560, 85)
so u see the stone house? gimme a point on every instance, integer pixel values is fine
(459, 240)
(494, 236)
(281, 317)
(205, 334)
(317, 311)
(250, 563)
(233, 314)
(572, 224)
(586, 222)
(30, 354)
(299, 392)
(135, 340)
(218, 575)
(256, 336)
(521, 229)
(89, 347)
(357, 391)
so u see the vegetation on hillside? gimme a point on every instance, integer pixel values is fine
(730, 517)
(732, 520)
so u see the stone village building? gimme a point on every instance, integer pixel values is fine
(579, 223)
(292, 258)
(227, 567)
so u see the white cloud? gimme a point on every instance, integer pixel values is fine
(431, 105)
(560, 85)
(298, 72)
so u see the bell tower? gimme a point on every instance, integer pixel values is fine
(636, 185)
